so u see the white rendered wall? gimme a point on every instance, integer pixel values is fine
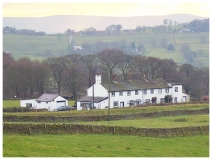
(101, 105)
(99, 91)
(44, 105)
(24, 102)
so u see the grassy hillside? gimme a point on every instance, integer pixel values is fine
(38, 47)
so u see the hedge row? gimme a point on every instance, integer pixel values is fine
(15, 118)
(31, 129)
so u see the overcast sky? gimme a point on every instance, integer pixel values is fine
(125, 8)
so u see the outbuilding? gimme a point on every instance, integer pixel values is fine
(48, 101)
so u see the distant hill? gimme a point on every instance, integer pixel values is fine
(60, 23)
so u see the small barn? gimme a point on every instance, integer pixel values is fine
(48, 101)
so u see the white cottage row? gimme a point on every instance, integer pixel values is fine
(48, 101)
(131, 93)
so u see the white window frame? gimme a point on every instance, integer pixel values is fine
(145, 91)
(147, 100)
(136, 92)
(167, 90)
(115, 102)
(175, 99)
(159, 91)
(151, 91)
(131, 103)
(162, 100)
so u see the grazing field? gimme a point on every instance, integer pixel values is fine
(87, 145)
(38, 47)
(156, 122)
(11, 103)
(159, 122)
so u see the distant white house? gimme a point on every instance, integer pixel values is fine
(48, 101)
(131, 93)
(77, 47)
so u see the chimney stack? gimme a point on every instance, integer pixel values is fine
(114, 78)
(98, 78)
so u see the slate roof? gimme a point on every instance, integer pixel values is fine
(47, 97)
(137, 84)
(90, 98)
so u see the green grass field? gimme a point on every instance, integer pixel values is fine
(159, 122)
(156, 122)
(34, 46)
(87, 145)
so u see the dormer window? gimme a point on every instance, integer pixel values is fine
(176, 89)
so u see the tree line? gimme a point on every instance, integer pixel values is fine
(25, 78)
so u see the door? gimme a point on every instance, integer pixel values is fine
(60, 103)
(121, 104)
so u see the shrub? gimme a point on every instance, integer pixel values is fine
(170, 47)
(205, 98)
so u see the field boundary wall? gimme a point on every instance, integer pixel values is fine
(34, 129)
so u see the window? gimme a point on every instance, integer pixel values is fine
(29, 105)
(128, 93)
(138, 101)
(147, 100)
(85, 105)
(159, 91)
(152, 91)
(162, 100)
(120, 93)
(131, 102)
(136, 92)
(145, 91)
(112, 94)
(175, 99)
(176, 89)
(115, 103)
(167, 90)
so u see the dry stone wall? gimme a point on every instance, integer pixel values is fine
(31, 129)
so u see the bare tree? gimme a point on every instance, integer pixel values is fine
(140, 65)
(125, 64)
(90, 62)
(110, 58)
(57, 68)
(153, 65)
(74, 74)
(167, 69)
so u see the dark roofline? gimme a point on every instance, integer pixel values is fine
(90, 99)
(51, 97)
